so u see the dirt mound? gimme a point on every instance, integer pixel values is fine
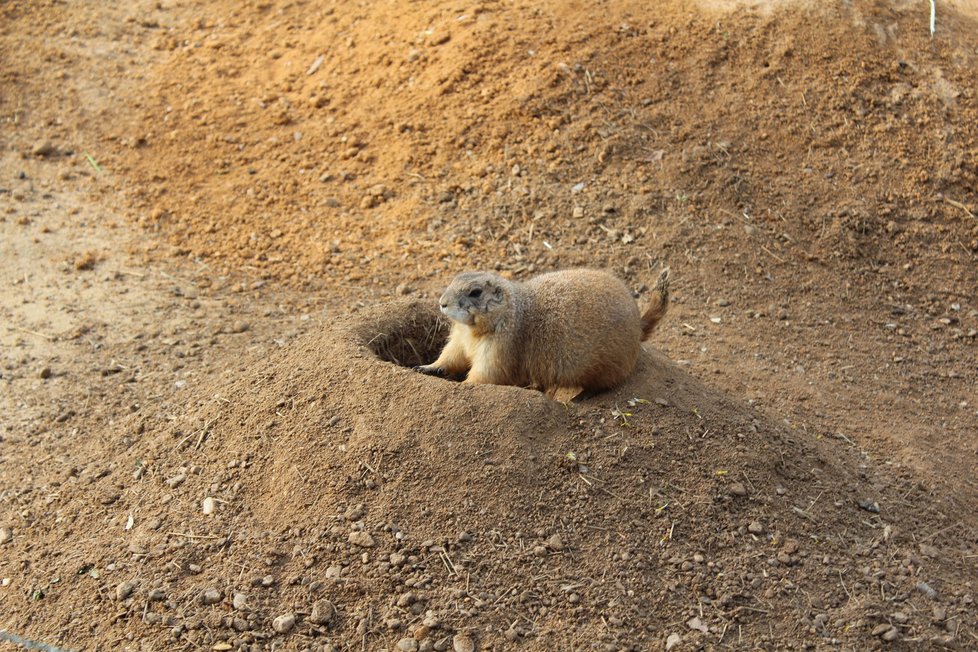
(343, 501)
(812, 165)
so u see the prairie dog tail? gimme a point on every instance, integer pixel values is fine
(658, 305)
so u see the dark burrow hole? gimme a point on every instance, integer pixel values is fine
(409, 337)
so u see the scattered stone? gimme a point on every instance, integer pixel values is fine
(555, 543)
(45, 373)
(870, 506)
(240, 326)
(156, 595)
(397, 559)
(211, 596)
(756, 527)
(463, 537)
(463, 643)
(209, 506)
(283, 624)
(891, 634)
(334, 572)
(323, 612)
(355, 512)
(698, 625)
(362, 539)
(177, 480)
(6, 535)
(927, 590)
(928, 550)
(408, 644)
(880, 629)
(673, 640)
(44, 148)
(125, 589)
(406, 600)
(239, 601)
(737, 489)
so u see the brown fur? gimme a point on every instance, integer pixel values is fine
(573, 329)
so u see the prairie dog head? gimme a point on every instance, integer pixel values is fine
(476, 299)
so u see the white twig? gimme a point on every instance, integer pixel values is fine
(933, 17)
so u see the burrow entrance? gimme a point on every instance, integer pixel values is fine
(407, 334)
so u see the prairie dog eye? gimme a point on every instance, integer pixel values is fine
(476, 293)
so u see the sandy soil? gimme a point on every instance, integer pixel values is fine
(223, 229)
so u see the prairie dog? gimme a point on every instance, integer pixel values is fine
(577, 329)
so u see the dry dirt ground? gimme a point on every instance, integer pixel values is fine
(223, 227)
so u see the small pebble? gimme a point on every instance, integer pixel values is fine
(881, 628)
(44, 148)
(737, 489)
(6, 535)
(408, 644)
(323, 612)
(209, 506)
(406, 600)
(673, 640)
(463, 643)
(284, 624)
(211, 596)
(156, 595)
(333, 572)
(125, 589)
(756, 527)
(891, 634)
(927, 590)
(555, 543)
(362, 539)
(45, 373)
(354, 512)
(239, 601)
